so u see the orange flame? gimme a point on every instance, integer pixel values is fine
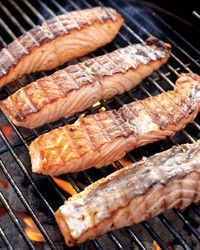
(32, 231)
(157, 247)
(96, 104)
(125, 162)
(102, 109)
(6, 130)
(65, 185)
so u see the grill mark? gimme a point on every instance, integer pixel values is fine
(19, 116)
(150, 112)
(165, 122)
(116, 116)
(85, 73)
(78, 75)
(89, 76)
(23, 47)
(73, 142)
(34, 40)
(92, 78)
(55, 83)
(110, 14)
(113, 67)
(45, 29)
(30, 102)
(177, 107)
(39, 86)
(103, 128)
(159, 105)
(184, 101)
(10, 55)
(59, 23)
(69, 75)
(131, 116)
(181, 194)
(197, 189)
(194, 193)
(87, 133)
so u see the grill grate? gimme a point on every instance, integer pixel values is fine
(185, 57)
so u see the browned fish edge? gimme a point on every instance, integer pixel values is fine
(151, 41)
(9, 65)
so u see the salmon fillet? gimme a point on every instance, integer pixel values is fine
(77, 87)
(57, 41)
(100, 139)
(133, 194)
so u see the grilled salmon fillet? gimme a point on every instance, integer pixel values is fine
(100, 139)
(133, 194)
(57, 41)
(77, 87)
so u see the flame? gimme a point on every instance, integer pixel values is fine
(96, 104)
(65, 185)
(102, 109)
(125, 162)
(4, 184)
(157, 247)
(6, 130)
(32, 231)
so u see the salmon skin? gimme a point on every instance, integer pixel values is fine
(100, 139)
(133, 194)
(57, 41)
(77, 87)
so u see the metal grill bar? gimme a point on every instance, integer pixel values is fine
(187, 224)
(171, 229)
(16, 221)
(49, 178)
(27, 206)
(149, 34)
(118, 100)
(5, 240)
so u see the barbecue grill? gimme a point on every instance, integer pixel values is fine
(27, 195)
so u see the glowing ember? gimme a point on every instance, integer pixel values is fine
(2, 211)
(32, 231)
(4, 184)
(65, 185)
(96, 104)
(170, 247)
(6, 130)
(157, 247)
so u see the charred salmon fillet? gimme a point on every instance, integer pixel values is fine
(133, 194)
(77, 87)
(100, 139)
(57, 41)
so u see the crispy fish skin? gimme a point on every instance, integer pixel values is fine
(100, 139)
(57, 41)
(133, 194)
(79, 86)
